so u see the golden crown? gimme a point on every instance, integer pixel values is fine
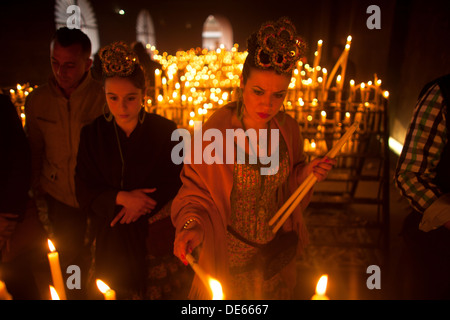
(279, 46)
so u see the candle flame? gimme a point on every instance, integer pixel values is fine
(53, 293)
(51, 246)
(321, 287)
(216, 288)
(103, 287)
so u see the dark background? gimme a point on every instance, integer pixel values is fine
(410, 49)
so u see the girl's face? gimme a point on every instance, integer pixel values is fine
(263, 96)
(124, 101)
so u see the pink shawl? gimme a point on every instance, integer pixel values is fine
(205, 196)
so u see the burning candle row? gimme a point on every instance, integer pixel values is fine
(194, 81)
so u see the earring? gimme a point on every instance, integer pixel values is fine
(108, 116)
(141, 115)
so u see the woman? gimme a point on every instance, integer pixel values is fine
(222, 211)
(125, 176)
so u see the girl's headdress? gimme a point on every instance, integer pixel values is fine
(118, 60)
(278, 46)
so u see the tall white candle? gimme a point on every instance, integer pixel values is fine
(58, 282)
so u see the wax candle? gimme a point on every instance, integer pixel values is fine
(53, 294)
(213, 284)
(321, 288)
(58, 282)
(108, 293)
(323, 116)
(317, 56)
(4, 294)
(324, 90)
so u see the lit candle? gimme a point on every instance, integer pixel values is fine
(108, 293)
(344, 63)
(321, 289)
(58, 282)
(324, 116)
(4, 294)
(316, 62)
(211, 283)
(324, 90)
(352, 90)
(157, 82)
(53, 294)
(362, 90)
(338, 88)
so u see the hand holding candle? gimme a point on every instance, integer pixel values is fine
(285, 211)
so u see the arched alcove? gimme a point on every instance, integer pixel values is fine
(88, 21)
(145, 30)
(217, 31)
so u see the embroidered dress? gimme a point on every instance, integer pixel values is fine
(253, 203)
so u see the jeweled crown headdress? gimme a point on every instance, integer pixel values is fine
(278, 46)
(118, 60)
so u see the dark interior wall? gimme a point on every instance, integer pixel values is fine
(420, 52)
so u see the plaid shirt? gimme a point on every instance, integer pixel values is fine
(424, 143)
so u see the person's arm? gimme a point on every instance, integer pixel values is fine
(424, 144)
(14, 169)
(92, 193)
(36, 143)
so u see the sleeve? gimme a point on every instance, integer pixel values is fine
(93, 194)
(15, 166)
(170, 172)
(424, 144)
(36, 143)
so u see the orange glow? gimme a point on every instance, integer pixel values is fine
(53, 293)
(51, 246)
(216, 288)
(321, 287)
(103, 287)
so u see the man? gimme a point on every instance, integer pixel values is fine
(423, 177)
(55, 114)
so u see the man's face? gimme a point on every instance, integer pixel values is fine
(69, 65)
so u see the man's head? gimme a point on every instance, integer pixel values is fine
(70, 52)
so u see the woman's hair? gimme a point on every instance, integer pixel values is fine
(275, 46)
(118, 60)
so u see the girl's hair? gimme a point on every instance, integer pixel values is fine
(275, 46)
(118, 60)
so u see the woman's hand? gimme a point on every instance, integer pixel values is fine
(319, 166)
(187, 240)
(136, 203)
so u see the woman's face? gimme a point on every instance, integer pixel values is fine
(124, 101)
(263, 96)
